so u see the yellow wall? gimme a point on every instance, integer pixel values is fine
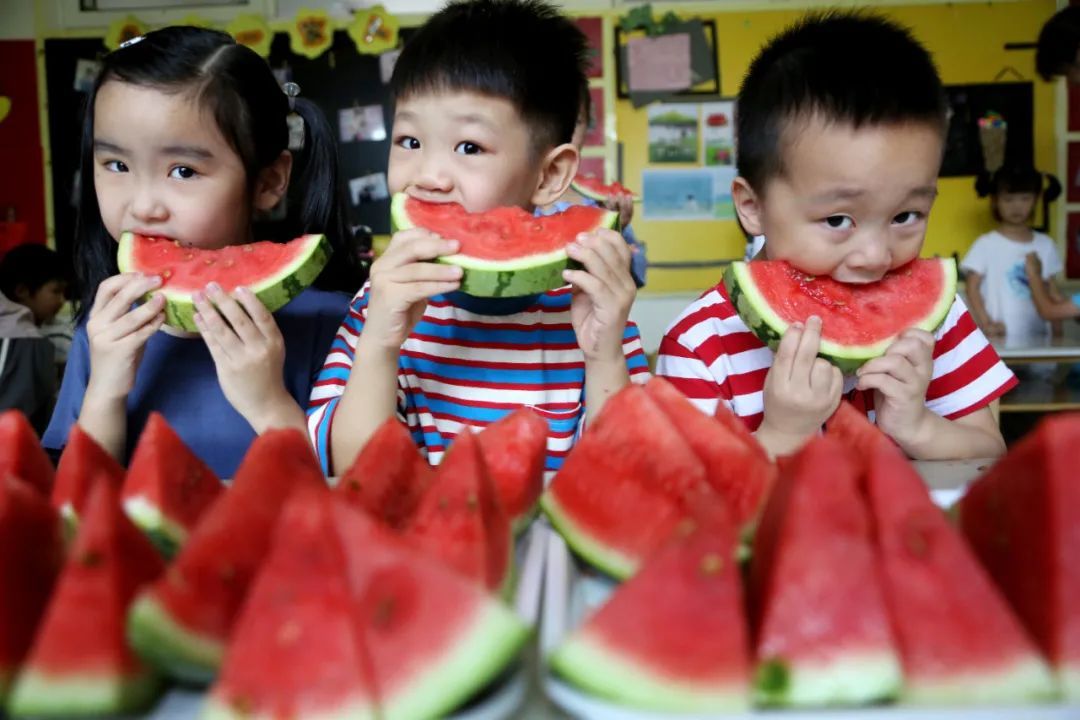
(967, 43)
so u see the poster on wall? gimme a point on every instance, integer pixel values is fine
(594, 136)
(593, 166)
(678, 194)
(718, 133)
(673, 133)
(593, 30)
(723, 177)
(361, 123)
(1072, 246)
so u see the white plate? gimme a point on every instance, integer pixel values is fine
(571, 590)
(499, 703)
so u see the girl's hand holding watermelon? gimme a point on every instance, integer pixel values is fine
(117, 332)
(801, 390)
(249, 355)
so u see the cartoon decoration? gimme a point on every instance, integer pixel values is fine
(311, 33)
(373, 30)
(252, 31)
(123, 30)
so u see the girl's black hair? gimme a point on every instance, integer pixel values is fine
(250, 109)
(1017, 179)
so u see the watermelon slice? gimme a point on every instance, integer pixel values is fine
(673, 637)
(434, 638)
(275, 272)
(296, 651)
(736, 465)
(855, 430)
(493, 266)
(821, 630)
(388, 477)
(1023, 520)
(82, 460)
(182, 622)
(31, 552)
(626, 486)
(21, 454)
(167, 488)
(460, 520)
(592, 187)
(514, 449)
(80, 664)
(859, 322)
(959, 641)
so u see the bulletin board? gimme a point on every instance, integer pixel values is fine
(339, 79)
(967, 103)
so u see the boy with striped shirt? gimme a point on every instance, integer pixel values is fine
(841, 129)
(486, 99)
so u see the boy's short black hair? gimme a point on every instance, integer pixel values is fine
(524, 51)
(1059, 40)
(31, 266)
(849, 67)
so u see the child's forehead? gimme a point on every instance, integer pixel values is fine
(457, 103)
(817, 143)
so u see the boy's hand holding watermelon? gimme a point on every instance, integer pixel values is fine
(899, 379)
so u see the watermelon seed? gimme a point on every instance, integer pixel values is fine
(289, 633)
(916, 542)
(384, 612)
(686, 526)
(471, 502)
(809, 278)
(243, 705)
(176, 243)
(91, 558)
(711, 564)
(443, 503)
(248, 248)
(166, 274)
(354, 484)
(229, 263)
(209, 261)
(189, 256)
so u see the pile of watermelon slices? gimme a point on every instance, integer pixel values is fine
(858, 590)
(412, 560)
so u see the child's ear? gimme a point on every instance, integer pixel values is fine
(748, 206)
(558, 168)
(273, 182)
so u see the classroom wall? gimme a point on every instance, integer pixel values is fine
(967, 43)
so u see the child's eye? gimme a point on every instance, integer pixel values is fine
(409, 143)
(116, 166)
(839, 222)
(468, 148)
(907, 218)
(182, 172)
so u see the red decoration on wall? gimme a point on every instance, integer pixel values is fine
(22, 184)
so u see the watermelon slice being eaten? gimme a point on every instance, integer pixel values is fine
(859, 322)
(275, 272)
(592, 187)
(505, 252)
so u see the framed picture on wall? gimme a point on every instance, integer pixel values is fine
(592, 166)
(1072, 246)
(593, 30)
(1072, 174)
(704, 68)
(594, 136)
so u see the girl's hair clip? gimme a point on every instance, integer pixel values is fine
(291, 90)
(133, 41)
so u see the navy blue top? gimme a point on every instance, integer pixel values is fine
(177, 378)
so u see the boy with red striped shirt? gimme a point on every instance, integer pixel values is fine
(841, 129)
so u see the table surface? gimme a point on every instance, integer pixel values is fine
(1038, 349)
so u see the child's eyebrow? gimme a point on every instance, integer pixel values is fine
(831, 196)
(474, 118)
(106, 146)
(190, 151)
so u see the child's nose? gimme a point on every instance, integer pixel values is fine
(148, 205)
(872, 257)
(433, 175)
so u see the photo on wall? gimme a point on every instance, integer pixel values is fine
(718, 133)
(678, 194)
(673, 133)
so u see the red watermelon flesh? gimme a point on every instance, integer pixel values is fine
(594, 188)
(737, 467)
(80, 663)
(31, 553)
(673, 638)
(1023, 520)
(821, 630)
(183, 621)
(167, 488)
(855, 430)
(460, 520)
(388, 477)
(21, 454)
(82, 460)
(434, 638)
(514, 450)
(296, 651)
(959, 641)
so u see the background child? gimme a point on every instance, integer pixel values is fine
(34, 276)
(841, 127)
(998, 291)
(486, 96)
(205, 154)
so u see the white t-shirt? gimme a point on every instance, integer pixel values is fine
(1004, 289)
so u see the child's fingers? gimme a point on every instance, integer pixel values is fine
(234, 314)
(823, 375)
(584, 282)
(122, 292)
(218, 353)
(806, 352)
(258, 313)
(424, 272)
(884, 383)
(144, 333)
(132, 322)
(212, 325)
(423, 290)
(415, 245)
(604, 258)
(785, 351)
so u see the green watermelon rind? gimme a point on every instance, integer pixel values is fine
(37, 694)
(167, 535)
(770, 327)
(1068, 679)
(173, 649)
(1028, 679)
(274, 291)
(527, 275)
(601, 556)
(606, 673)
(585, 192)
(855, 678)
(476, 656)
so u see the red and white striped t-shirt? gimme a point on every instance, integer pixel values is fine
(710, 355)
